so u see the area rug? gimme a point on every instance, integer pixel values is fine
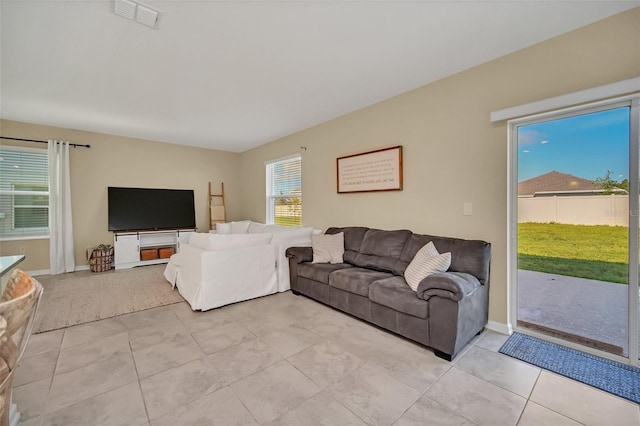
(83, 297)
(614, 377)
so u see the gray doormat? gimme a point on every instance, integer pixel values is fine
(614, 377)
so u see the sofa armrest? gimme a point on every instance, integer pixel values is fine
(450, 285)
(300, 254)
(284, 281)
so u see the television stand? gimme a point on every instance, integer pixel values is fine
(140, 248)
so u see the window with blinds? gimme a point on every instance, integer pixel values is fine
(284, 191)
(24, 193)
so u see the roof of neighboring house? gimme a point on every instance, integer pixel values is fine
(557, 182)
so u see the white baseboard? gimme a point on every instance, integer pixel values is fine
(500, 327)
(39, 272)
(48, 271)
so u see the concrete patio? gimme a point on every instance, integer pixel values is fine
(594, 310)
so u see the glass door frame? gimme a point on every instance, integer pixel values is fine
(633, 102)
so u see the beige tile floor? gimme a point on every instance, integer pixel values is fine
(285, 360)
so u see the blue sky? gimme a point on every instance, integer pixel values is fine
(585, 146)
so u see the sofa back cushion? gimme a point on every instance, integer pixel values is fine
(288, 230)
(199, 240)
(223, 228)
(293, 234)
(232, 241)
(380, 250)
(470, 256)
(273, 228)
(353, 236)
(240, 227)
(256, 227)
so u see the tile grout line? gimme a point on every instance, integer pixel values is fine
(46, 407)
(528, 399)
(135, 366)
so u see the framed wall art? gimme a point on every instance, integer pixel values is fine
(379, 170)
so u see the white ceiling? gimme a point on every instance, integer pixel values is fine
(233, 75)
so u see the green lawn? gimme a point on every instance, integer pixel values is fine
(596, 252)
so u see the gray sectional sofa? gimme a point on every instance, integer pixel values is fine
(445, 313)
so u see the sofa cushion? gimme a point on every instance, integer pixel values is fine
(320, 271)
(395, 293)
(273, 228)
(469, 256)
(223, 228)
(380, 249)
(291, 234)
(328, 248)
(355, 280)
(240, 227)
(199, 240)
(224, 242)
(426, 262)
(256, 227)
(353, 236)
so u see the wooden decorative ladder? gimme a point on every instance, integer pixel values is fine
(216, 208)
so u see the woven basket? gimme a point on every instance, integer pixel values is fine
(101, 259)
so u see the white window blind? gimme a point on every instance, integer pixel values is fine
(284, 191)
(24, 193)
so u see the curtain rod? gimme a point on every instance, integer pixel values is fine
(39, 141)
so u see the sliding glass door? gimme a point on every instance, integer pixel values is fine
(574, 230)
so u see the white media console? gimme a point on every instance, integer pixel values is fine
(137, 248)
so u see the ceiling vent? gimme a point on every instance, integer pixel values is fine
(138, 12)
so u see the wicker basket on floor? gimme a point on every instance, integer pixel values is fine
(101, 258)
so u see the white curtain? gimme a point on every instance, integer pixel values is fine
(61, 252)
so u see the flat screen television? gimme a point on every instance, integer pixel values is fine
(141, 209)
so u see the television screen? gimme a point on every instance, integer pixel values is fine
(140, 209)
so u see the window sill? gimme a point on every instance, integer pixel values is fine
(23, 238)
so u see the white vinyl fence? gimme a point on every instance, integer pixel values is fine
(576, 210)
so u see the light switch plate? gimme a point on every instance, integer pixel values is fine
(467, 208)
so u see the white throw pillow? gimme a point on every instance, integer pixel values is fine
(256, 227)
(223, 228)
(240, 227)
(222, 242)
(427, 261)
(328, 248)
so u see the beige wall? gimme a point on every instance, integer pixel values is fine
(452, 153)
(119, 161)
